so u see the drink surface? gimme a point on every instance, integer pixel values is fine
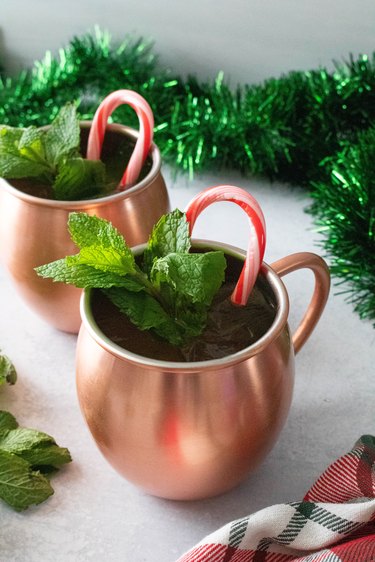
(229, 328)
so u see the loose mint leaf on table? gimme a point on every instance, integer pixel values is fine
(24, 454)
(22, 439)
(7, 420)
(47, 458)
(7, 370)
(20, 486)
(36, 447)
(170, 295)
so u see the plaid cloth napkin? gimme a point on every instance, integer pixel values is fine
(335, 522)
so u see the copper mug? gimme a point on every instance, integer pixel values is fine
(193, 430)
(33, 231)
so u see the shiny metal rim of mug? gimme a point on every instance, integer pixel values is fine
(277, 326)
(100, 201)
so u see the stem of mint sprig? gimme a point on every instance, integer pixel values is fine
(168, 292)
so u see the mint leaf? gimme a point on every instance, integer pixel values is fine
(78, 178)
(104, 260)
(22, 439)
(9, 139)
(47, 458)
(21, 154)
(84, 276)
(63, 136)
(20, 486)
(31, 146)
(7, 370)
(7, 420)
(31, 138)
(169, 235)
(102, 246)
(188, 283)
(192, 319)
(16, 167)
(87, 230)
(22, 450)
(38, 448)
(146, 313)
(198, 276)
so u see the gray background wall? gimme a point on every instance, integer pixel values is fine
(248, 39)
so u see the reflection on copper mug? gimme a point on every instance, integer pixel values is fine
(193, 430)
(33, 232)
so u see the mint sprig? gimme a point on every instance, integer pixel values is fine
(52, 157)
(26, 457)
(170, 292)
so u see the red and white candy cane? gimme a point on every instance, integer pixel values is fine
(146, 129)
(257, 240)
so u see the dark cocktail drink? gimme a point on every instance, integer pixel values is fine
(229, 328)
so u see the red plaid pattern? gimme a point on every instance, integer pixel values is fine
(335, 522)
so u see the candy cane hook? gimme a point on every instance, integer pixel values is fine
(143, 144)
(257, 239)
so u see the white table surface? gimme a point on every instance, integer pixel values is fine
(95, 514)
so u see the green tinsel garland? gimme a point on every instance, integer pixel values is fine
(312, 129)
(344, 210)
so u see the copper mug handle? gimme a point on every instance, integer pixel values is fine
(318, 301)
